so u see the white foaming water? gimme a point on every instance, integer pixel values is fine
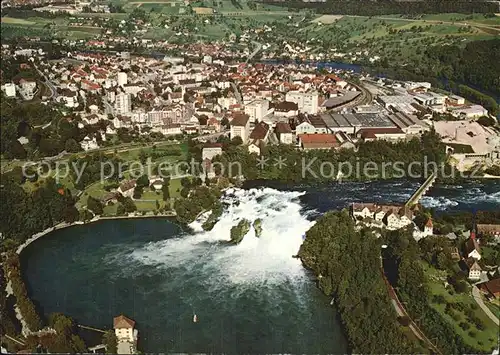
(437, 202)
(265, 260)
(476, 195)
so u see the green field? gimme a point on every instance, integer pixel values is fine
(17, 21)
(390, 36)
(483, 339)
(147, 202)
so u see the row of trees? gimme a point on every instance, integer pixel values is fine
(347, 263)
(10, 324)
(12, 269)
(307, 165)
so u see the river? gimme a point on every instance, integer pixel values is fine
(253, 297)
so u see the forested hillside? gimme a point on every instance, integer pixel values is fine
(385, 7)
(347, 263)
(477, 63)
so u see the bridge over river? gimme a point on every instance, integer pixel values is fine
(417, 195)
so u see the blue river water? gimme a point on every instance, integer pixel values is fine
(250, 298)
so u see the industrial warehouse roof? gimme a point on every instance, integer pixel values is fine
(366, 120)
(318, 141)
(340, 100)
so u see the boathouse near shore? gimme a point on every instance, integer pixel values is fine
(126, 335)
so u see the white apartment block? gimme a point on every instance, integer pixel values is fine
(307, 101)
(122, 78)
(240, 127)
(257, 109)
(123, 104)
(10, 90)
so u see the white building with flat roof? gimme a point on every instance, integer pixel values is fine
(468, 142)
(257, 109)
(122, 78)
(123, 104)
(10, 89)
(474, 111)
(306, 101)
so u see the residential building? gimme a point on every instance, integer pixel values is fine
(27, 88)
(455, 254)
(258, 138)
(10, 90)
(127, 188)
(70, 98)
(471, 248)
(286, 109)
(207, 59)
(126, 335)
(393, 217)
(89, 144)
(428, 230)
(123, 104)
(240, 127)
(157, 184)
(257, 109)
(307, 101)
(473, 268)
(172, 129)
(284, 133)
(489, 229)
(491, 288)
(122, 78)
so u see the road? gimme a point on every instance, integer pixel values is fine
(108, 107)
(477, 296)
(237, 93)
(259, 47)
(53, 90)
(401, 311)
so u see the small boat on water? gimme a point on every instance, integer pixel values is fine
(195, 319)
(331, 302)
